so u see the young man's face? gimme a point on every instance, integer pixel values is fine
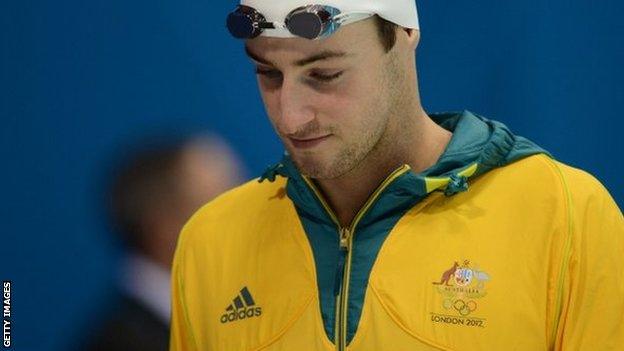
(329, 100)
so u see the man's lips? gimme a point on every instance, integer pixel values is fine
(308, 142)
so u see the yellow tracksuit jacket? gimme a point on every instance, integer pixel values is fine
(496, 247)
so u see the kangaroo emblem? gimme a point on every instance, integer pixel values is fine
(446, 276)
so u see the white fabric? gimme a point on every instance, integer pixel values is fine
(401, 12)
(148, 283)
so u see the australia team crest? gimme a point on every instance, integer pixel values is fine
(461, 288)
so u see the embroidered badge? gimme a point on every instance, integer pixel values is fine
(460, 288)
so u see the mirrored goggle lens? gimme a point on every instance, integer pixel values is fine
(246, 23)
(240, 25)
(305, 24)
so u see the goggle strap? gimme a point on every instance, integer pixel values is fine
(350, 17)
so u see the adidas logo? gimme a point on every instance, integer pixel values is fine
(241, 308)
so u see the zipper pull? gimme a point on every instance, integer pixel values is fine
(344, 248)
(344, 239)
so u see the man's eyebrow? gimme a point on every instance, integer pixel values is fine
(256, 57)
(324, 55)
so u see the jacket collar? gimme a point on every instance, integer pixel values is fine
(478, 145)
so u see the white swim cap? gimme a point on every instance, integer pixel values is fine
(400, 12)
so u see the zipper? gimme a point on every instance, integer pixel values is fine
(341, 318)
(343, 269)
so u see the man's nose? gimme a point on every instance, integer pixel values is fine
(296, 108)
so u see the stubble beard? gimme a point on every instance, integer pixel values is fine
(344, 161)
(369, 144)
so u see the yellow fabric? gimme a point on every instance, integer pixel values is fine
(540, 244)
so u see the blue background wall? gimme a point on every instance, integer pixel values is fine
(79, 78)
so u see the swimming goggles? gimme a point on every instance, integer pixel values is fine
(310, 21)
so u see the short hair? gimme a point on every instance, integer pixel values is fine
(387, 32)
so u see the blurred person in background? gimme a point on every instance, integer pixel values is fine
(152, 195)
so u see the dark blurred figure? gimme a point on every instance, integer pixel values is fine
(152, 196)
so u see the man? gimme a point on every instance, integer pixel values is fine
(384, 228)
(153, 194)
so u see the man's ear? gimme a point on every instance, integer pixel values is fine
(412, 36)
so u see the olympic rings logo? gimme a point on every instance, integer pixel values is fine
(464, 308)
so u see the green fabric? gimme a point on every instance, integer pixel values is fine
(475, 139)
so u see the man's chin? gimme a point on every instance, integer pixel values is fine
(311, 166)
(317, 169)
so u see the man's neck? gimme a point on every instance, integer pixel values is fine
(420, 147)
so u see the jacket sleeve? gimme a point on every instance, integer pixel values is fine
(181, 333)
(592, 291)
